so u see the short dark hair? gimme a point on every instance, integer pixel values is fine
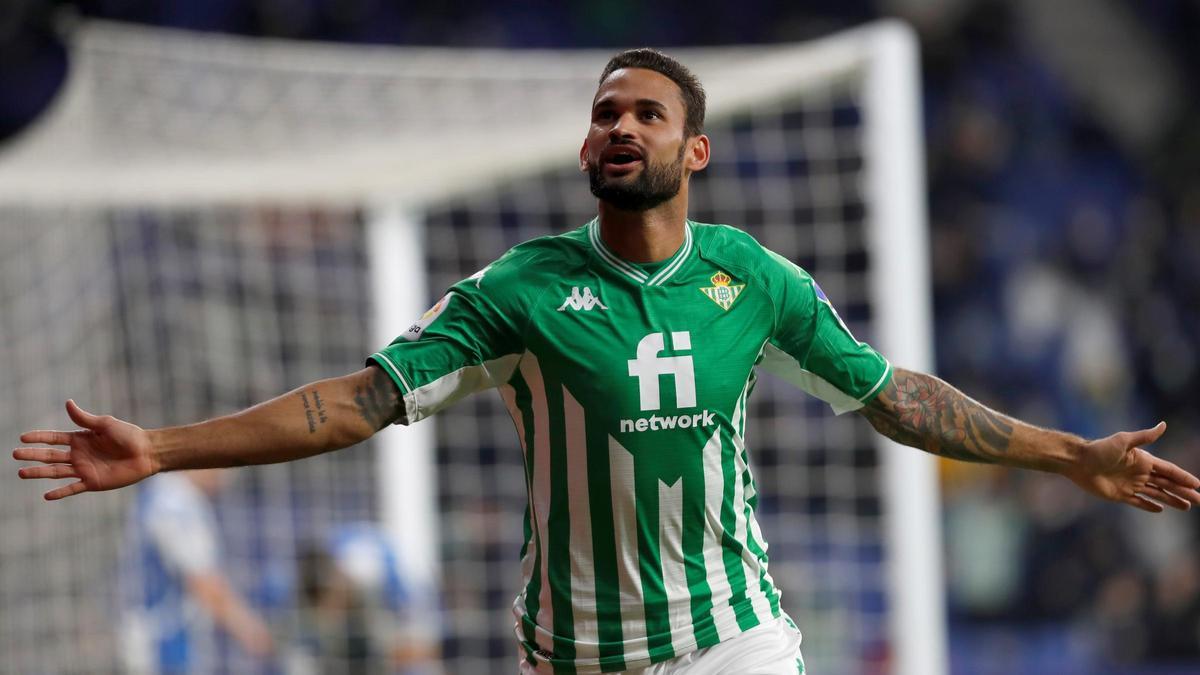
(690, 89)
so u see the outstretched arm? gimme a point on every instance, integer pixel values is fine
(109, 453)
(924, 412)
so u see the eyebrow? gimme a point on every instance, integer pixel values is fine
(641, 103)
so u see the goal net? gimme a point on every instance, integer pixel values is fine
(204, 222)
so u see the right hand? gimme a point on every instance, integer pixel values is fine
(106, 454)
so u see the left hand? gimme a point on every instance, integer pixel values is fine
(1116, 468)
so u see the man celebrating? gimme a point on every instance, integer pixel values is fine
(625, 351)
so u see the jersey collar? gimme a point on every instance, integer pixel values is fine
(633, 271)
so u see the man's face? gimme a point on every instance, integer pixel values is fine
(634, 151)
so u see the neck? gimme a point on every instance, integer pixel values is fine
(645, 236)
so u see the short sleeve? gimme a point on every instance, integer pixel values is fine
(182, 529)
(812, 348)
(469, 341)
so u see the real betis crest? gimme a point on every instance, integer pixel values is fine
(721, 292)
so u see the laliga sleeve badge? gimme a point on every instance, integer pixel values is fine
(416, 330)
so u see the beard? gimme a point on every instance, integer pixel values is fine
(654, 185)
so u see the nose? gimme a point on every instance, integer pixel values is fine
(621, 129)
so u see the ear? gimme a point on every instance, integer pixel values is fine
(697, 154)
(583, 157)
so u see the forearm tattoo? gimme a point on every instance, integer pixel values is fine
(379, 402)
(924, 412)
(314, 409)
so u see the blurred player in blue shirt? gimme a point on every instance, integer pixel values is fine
(172, 590)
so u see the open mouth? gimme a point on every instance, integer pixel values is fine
(621, 157)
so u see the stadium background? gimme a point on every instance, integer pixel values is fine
(1065, 215)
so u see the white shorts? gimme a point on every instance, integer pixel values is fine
(768, 649)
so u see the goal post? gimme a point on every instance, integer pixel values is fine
(255, 214)
(405, 477)
(902, 283)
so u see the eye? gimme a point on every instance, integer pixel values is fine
(603, 115)
(651, 115)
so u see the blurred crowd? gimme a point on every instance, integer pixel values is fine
(1066, 270)
(1066, 276)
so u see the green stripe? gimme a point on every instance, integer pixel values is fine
(528, 534)
(730, 547)
(752, 506)
(559, 528)
(524, 403)
(654, 592)
(693, 550)
(604, 549)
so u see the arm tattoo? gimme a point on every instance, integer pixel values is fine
(314, 411)
(309, 412)
(924, 412)
(379, 402)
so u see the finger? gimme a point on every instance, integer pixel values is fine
(45, 455)
(1174, 473)
(1146, 436)
(1174, 479)
(1143, 504)
(1166, 497)
(1176, 489)
(82, 417)
(48, 471)
(50, 437)
(65, 491)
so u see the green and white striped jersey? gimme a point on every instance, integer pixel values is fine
(628, 385)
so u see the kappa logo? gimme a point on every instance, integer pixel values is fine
(581, 301)
(478, 276)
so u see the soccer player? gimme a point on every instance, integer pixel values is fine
(173, 591)
(625, 351)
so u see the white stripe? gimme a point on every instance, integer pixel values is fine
(610, 257)
(666, 272)
(745, 526)
(543, 640)
(739, 443)
(541, 479)
(583, 565)
(736, 420)
(510, 401)
(714, 563)
(434, 396)
(674, 574)
(625, 532)
(781, 364)
(741, 511)
(879, 383)
(765, 569)
(407, 386)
